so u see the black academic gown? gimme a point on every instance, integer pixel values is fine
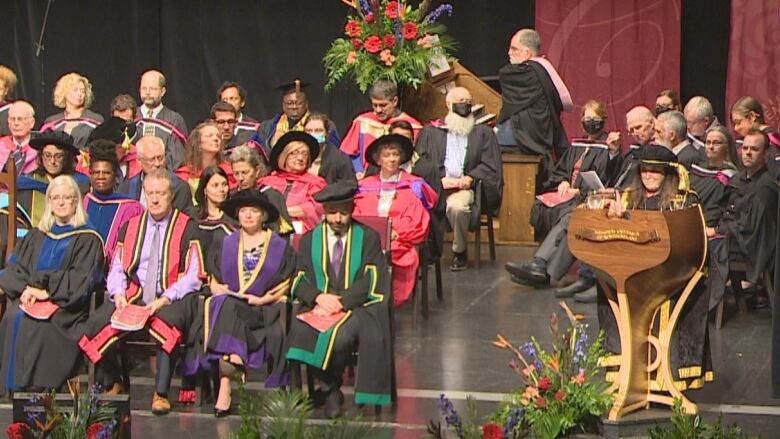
(689, 156)
(530, 100)
(335, 165)
(182, 196)
(4, 107)
(174, 145)
(80, 132)
(750, 221)
(67, 263)
(628, 168)
(364, 287)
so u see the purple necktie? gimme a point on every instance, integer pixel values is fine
(338, 252)
(153, 269)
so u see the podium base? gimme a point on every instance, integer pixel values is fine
(637, 424)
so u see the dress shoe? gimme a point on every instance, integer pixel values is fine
(219, 413)
(577, 286)
(333, 402)
(160, 405)
(459, 262)
(587, 296)
(528, 273)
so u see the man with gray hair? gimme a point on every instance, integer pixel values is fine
(16, 146)
(671, 132)
(533, 96)
(699, 116)
(151, 156)
(373, 124)
(159, 120)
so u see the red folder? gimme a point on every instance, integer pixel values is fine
(320, 323)
(552, 199)
(40, 310)
(132, 318)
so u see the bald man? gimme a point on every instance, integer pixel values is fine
(533, 96)
(21, 119)
(640, 124)
(465, 153)
(157, 120)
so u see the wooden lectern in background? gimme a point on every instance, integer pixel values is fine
(641, 262)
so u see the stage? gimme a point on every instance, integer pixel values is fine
(451, 353)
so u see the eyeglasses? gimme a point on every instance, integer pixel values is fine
(225, 122)
(53, 157)
(303, 154)
(65, 198)
(714, 142)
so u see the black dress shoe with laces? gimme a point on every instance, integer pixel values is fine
(528, 273)
(459, 262)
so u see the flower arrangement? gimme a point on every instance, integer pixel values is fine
(562, 390)
(387, 39)
(88, 419)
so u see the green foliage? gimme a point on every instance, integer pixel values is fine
(86, 413)
(282, 415)
(685, 426)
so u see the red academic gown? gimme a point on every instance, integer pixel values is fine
(301, 193)
(365, 129)
(410, 214)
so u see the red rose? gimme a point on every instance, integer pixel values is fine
(541, 402)
(18, 430)
(492, 431)
(559, 395)
(94, 430)
(410, 31)
(372, 44)
(389, 41)
(357, 44)
(391, 10)
(370, 18)
(544, 384)
(353, 28)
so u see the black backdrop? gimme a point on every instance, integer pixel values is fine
(260, 43)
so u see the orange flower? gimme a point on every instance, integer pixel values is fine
(579, 379)
(351, 56)
(387, 57)
(426, 41)
(529, 370)
(555, 364)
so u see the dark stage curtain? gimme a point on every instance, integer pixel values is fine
(198, 44)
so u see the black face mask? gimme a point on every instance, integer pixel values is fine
(660, 109)
(462, 109)
(593, 126)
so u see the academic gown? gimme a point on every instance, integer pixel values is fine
(129, 166)
(4, 107)
(231, 325)
(750, 220)
(88, 121)
(364, 286)
(245, 129)
(530, 100)
(109, 213)
(298, 190)
(272, 129)
(169, 126)
(364, 130)
(334, 165)
(409, 211)
(689, 156)
(691, 360)
(597, 159)
(31, 193)
(182, 196)
(22, 226)
(628, 168)
(67, 262)
(213, 231)
(185, 173)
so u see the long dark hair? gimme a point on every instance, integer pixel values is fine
(637, 194)
(200, 193)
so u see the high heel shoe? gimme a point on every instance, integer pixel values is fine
(219, 413)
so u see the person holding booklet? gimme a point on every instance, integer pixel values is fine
(251, 271)
(344, 289)
(47, 284)
(153, 281)
(564, 190)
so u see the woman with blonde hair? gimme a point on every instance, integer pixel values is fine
(47, 284)
(7, 83)
(73, 93)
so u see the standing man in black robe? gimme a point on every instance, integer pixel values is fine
(533, 96)
(159, 120)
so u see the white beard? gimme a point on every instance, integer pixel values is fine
(461, 126)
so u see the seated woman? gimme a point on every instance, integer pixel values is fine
(73, 93)
(248, 167)
(662, 185)
(203, 149)
(58, 263)
(250, 271)
(404, 198)
(212, 192)
(291, 158)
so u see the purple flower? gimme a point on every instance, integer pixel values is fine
(451, 416)
(514, 417)
(436, 13)
(364, 7)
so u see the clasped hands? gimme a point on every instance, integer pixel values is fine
(31, 294)
(120, 302)
(460, 183)
(327, 304)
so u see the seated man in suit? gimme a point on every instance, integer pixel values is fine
(465, 153)
(158, 263)
(343, 276)
(151, 155)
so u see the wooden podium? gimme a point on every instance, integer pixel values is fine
(641, 262)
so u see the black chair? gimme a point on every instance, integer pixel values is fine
(479, 210)
(425, 261)
(736, 275)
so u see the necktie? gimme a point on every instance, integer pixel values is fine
(19, 158)
(148, 128)
(338, 252)
(152, 269)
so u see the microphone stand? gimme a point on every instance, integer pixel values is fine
(39, 48)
